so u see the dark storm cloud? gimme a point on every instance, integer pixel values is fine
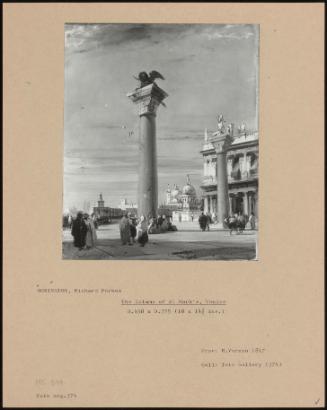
(90, 36)
(86, 37)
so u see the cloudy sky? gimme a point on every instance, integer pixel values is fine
(208, 70)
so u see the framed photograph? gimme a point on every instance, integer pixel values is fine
(144, 263)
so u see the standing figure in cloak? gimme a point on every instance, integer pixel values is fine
(164, 224)
(203, 221)
(79, 230)
(132, 227)
(240, 223)
(125, 231)
(209, 221)
(252, 221)
(142, 231)
(91, 235)
(95, 221)
(159, 220)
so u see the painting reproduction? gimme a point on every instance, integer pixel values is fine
(161, 142)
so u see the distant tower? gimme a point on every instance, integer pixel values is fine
(100, 202)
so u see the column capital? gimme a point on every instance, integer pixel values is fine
(221, 142)
(148, 98)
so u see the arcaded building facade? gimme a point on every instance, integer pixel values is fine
(242, 173)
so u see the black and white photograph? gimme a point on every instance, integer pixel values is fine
(161, 142)
(164, 274)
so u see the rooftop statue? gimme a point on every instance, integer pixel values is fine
(230, 128)
(220, 123)
(242, 128)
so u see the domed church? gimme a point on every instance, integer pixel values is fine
(183, 202)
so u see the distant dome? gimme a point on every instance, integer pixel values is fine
(175, 192)
(189, 189)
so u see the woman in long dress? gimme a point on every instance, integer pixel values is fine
(203, 221)
(79, 231)
(125, 231)
(91, 235)
(142, 231)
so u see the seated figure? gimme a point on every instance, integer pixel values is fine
(153, 226)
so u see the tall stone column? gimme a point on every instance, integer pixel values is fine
(221, 142)
(211, 204)
(255, 197)
(250, 196)
(148, 99)
(241, 164)
(246, 204)
(206, 204)
(231, 204)
(229, 167)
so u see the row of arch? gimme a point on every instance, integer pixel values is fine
(244, 202)
(239, 166)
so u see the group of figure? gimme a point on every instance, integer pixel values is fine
(133, 230)
(204, 221)
(161, 224)
(84, 232)
(237, 222)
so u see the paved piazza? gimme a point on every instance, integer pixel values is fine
(188, 243)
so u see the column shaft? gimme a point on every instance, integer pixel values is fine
(245, 173)
(205, 204)
(230, 205)
(245, 204)
(222, 188)
(255, 197)
(148, 178)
